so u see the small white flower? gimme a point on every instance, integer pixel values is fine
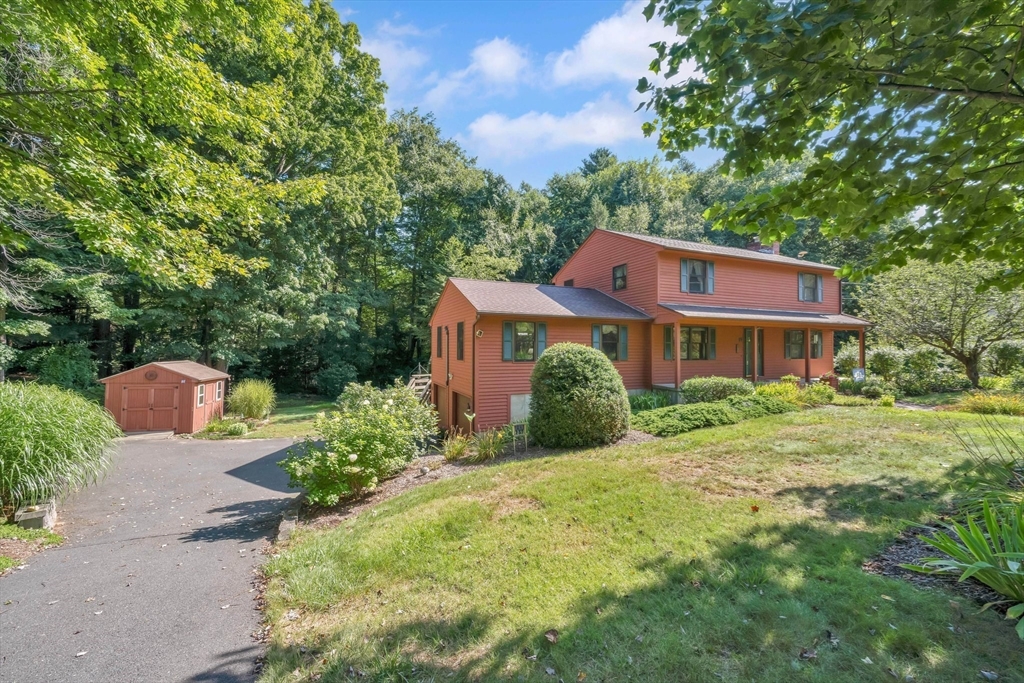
(391, 402)
(352, 457)
(366, 403)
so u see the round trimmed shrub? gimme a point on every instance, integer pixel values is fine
(578, 398)
(707, 389)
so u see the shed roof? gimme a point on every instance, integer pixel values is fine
(185, 368)
(765, 315)
(524, 298)
(733, 252)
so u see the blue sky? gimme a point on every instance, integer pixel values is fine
(529, 88)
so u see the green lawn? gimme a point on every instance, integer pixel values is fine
(938, 399)
(293, 417)
(13, 531)
(651, 564)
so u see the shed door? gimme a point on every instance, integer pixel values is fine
(149, 408)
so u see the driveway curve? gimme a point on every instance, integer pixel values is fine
(154, 580)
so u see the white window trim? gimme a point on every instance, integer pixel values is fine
(201, 401)
(219, 393)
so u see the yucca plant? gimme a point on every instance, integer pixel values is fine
(252, 398)
(52, 442)
(991, 552)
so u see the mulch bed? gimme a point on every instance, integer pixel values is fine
(909, 549)
(20, 550)
(429, 468)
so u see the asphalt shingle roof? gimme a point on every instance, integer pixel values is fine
(733, 252)
(523, 298)
(185, 368)
(765, 315)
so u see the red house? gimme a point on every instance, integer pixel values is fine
(663, 310)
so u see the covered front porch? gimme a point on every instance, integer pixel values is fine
(759, 345)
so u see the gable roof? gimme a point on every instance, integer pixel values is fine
(765, 315)
(185, 368)
(524, 298)
(732, 252)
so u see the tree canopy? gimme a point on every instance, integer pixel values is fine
(942, 306)
(910, 110)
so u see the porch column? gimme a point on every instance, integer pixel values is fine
(807, 356)
(675, 354)
(863, 364)
(753, 359)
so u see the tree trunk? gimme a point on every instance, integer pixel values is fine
(971, 365)
(132, 298)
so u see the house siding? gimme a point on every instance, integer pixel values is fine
(498, 380)
(746, 284)
(452, 308)
(591, 266)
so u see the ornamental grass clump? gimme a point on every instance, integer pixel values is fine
(252, 398)
(578, 398)
(373, 434)
(489, 445)
(52, 442)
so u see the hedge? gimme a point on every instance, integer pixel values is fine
(679, 419)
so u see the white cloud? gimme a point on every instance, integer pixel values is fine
(605, 121)
(613, 49)
(400, 62)
(498, 63)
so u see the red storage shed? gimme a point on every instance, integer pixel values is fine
(175, 395)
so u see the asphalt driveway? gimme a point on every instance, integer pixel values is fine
(154, 581)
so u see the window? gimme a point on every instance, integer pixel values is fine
(437, 352)
(567, 283)
(619, 277)
(697, 343)
(460, 341)
(811, 287)
(817, 343)
(202, 396)
(794, 344)
(669, 342)
(220, 391)
(523, 342)
(696, 277)
(612, 340)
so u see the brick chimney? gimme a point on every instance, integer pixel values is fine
(755, 245)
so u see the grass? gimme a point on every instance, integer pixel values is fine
(292, 417)
(13, 531)
(721, 554)
(942, 398)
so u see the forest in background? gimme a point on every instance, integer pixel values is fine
(335, 277)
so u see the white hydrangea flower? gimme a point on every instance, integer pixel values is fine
(391, 402)
(352, 457)
(366, 402)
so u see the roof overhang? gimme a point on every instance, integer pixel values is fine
(766, 316)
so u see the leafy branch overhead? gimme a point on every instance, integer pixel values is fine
(911, 109)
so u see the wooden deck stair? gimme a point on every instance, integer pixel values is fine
(420, 384)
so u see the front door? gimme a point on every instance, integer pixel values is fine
(748, 351)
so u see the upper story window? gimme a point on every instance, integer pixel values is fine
(811, 287)
(201, 401)
(460, 341)
(794, 344)
(523, 342)
(437, 352)
(696, 276)
(619, 277)
(613, 340)
(567, 283)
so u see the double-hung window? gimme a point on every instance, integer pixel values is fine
(612, 340)
(697, 343)
(523, 342)
(794, 344)
(437, 351)
(696, 276)
(219, 391)
(460, 341)
(619, 277)
(817, 343)
(202, 396)
(811, 287)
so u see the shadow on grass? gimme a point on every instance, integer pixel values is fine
(777, 602)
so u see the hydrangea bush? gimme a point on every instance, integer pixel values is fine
(373, 434)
